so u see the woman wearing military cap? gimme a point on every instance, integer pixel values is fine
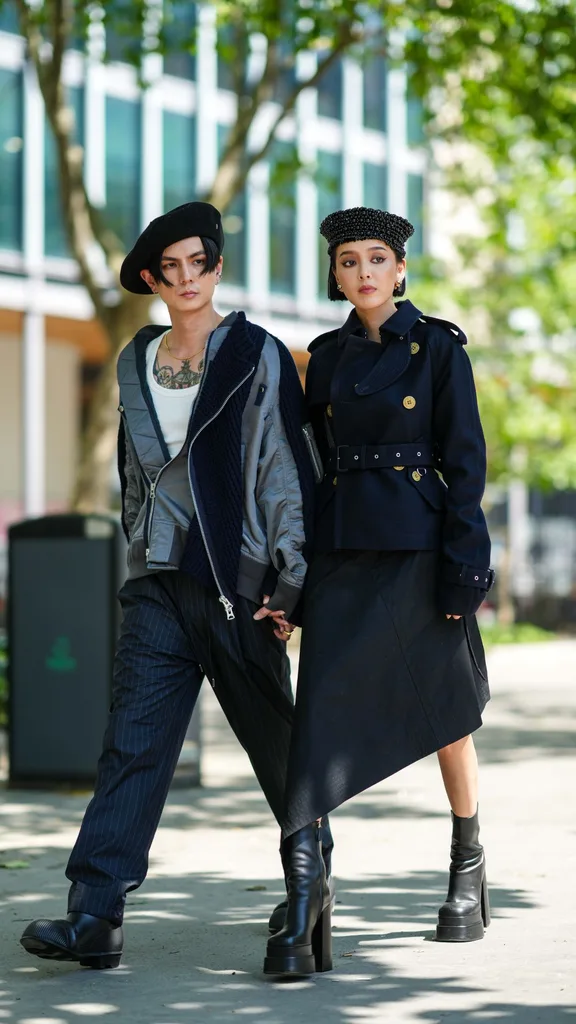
(217, 487)
(392, 664)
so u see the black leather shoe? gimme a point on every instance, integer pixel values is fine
(466, 912)
(87, 940)
(304, 944)
(278, 915)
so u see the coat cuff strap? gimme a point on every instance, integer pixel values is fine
(467, 576)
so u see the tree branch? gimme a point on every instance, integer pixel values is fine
(237, 161)
(82, 219)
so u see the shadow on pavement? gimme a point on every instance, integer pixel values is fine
(194, 951)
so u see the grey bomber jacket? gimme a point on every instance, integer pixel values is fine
(234, 507)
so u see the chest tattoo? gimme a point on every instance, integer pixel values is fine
(185, 377)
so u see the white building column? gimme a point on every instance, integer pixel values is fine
(206, 99)
(33, 336)
(352, 170)
(306, 197)
(396, 117)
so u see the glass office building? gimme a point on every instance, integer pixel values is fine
(357, 137)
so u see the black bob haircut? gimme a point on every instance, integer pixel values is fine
(212, 251)
(334, 292)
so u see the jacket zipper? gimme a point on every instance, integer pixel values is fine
(313, 452)
(228, 606)
(153, 484)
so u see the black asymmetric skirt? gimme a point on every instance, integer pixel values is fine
(385, 678)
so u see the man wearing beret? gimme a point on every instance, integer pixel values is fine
(217, 469)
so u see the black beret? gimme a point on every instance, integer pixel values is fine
(186, 221)
(360, 222)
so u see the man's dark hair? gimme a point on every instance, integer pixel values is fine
(212, 256)
(334, 292)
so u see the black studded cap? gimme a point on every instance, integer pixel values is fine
(186, 221)
(361, 222)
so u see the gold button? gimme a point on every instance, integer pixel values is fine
(335, 481)
(329, 410)
(416, 475)
(409, 402)
(414, 348)
(398, 468)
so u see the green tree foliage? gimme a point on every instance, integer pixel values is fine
(520, 298)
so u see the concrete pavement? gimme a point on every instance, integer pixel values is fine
(196, 931)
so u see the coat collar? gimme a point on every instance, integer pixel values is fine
(398, 324)
(395, 357)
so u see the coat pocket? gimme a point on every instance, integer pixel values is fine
(430, 486)
(313, 452)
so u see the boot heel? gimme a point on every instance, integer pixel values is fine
(322, 940)
(101, 961)
(485, 902)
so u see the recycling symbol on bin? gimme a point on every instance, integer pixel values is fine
(60, 658)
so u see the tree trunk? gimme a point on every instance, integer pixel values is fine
(93, 477)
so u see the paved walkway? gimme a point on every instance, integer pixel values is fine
(196, 930)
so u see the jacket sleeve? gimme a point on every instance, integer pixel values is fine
(285, 486)
(129, 482)
(465, 574)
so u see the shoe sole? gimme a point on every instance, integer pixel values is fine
(460, 932)
(293, 966)
(50, 951)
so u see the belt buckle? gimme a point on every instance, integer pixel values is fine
(339, 468)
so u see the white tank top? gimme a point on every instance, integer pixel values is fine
(173, 406)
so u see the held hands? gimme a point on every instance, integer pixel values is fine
(283, 629)
(453, 616)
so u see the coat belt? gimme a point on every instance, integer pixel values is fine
(345, 457)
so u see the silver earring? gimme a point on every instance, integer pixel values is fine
(339, 287)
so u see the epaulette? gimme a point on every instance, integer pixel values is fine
(456, 332)
(321, 339)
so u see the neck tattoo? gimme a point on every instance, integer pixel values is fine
(185, 377)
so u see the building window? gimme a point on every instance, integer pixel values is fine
(227, 47)
(123, 38)
(123, 168)
(179, 32)
(234, 225)
(11, 144)
(376, 186)
(9, 17)
(414, 119)
(329, 190)
(416, 213)
(375, 94)
(179, 159)
(330, 91)
(282, 218)
(55, 237)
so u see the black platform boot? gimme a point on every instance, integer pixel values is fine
(278, 915)
(87, 940)
(466, 912)
(304, 944)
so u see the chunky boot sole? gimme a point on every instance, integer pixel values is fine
(304, 960)
(461, 930)
(50, 951)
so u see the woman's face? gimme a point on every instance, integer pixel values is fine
(182, 264)
(367, 272)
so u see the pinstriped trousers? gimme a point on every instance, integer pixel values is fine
(174, 632)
